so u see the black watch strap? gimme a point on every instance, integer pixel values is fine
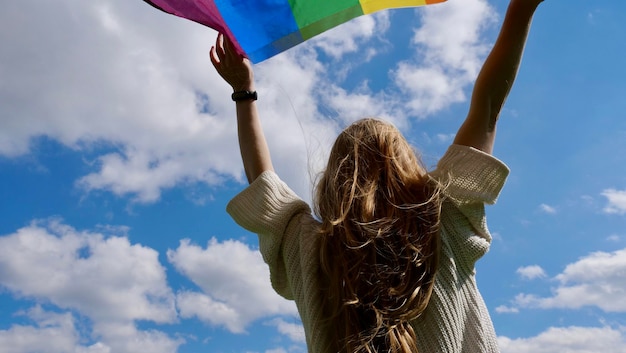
(244, 96)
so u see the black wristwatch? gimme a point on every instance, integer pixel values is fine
(244, 96)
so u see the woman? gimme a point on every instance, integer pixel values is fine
(390, 265)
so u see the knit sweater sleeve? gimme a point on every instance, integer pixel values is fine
(471, 179)
(267, 207)
(471, 175)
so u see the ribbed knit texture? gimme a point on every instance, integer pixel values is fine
(456, 319)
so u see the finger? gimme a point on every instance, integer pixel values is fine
(219, 47)
(231, 51)
(214, 58)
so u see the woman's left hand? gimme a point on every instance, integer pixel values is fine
(234, 68)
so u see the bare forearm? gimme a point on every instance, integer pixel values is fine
(496, 77)
(237, 71)
(253, 146)
(500, 69)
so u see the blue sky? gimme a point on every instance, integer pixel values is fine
(118, 154)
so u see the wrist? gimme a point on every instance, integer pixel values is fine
(246, 85)
(526, 4)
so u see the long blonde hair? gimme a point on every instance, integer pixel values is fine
(380, 239)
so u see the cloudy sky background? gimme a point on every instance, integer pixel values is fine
(118, 154)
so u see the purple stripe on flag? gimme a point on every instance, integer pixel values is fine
(202, 11)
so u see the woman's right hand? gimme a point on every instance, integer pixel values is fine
(234, 68)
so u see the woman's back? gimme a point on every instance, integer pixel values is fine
(456, 319)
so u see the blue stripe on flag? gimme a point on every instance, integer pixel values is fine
(261, 27)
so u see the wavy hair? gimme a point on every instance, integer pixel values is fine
(380, 239)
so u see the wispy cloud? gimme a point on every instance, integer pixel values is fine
(295, 331)
(51, 332)
(276, 350)
(445, 138)
(531, 272)
(547, 209)
(614, 238)
(573, 339)
(351, 35)
(503, 309)
(598, 280)
(616, 201)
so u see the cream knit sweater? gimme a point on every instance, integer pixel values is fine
(456, 319)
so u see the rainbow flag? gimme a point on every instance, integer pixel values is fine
(261, 29)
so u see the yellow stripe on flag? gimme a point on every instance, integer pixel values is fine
(371, 6)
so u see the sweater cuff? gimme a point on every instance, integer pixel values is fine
(266, 205)
(470, 175)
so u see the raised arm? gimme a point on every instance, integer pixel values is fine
(237, 72)
(496, 77)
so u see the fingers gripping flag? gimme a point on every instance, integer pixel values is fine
(261, 29)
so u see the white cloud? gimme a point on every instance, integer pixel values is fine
(354, 105)
(58, 333)
(445, 138)
(598, 279)
(617, 201)
(571, 339)
(125, 337)
(503, 309)
(547, 209)
(52, 333)
(531, 272)
(347, 37)
(194, 304)
(235, 282)
(295, 332)
(450, 54)
(103, 277)
(106, 278)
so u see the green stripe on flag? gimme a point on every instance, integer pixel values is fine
(314, 17)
